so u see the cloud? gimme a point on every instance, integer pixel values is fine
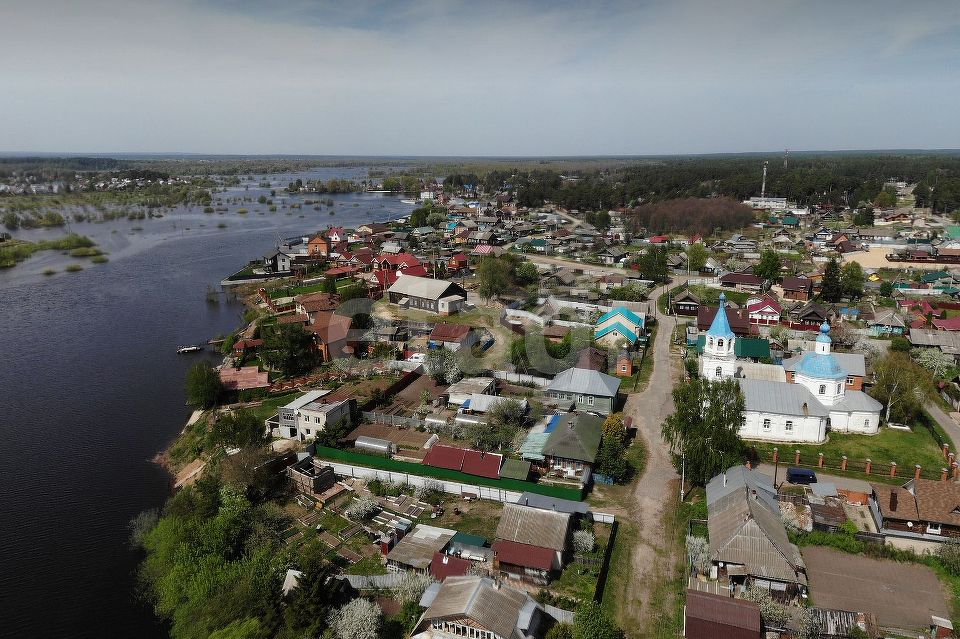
(497, 78)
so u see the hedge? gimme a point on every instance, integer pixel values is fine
(394, 465)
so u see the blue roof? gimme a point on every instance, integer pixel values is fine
(721, 325)
(620, 328)
(820, 366)
(623, 312)
(552, 423)
(824, 336)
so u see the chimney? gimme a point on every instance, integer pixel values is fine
(806, 410)
(893, 501)
(446, 559)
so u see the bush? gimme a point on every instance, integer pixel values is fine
(949, 556)
(361, 508)
(583, 542)
(699, 552)
(359, 619)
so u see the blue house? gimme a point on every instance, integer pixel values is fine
(620, 324)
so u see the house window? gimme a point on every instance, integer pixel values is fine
(766, 424)
(823, 389)
(788, 426)
(623, 368)
(579, 399)
(839, 388)
(849, 381)
(719, 343)
(293, 432)
(719, 372)
(308, 431)
(933, 528)
(590, 400)
(316, 419)
(866, 422)
(711, 342)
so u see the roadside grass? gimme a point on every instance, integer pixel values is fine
(646, 366)
(905, 448)
(620, 572)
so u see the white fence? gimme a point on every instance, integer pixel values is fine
(452, 487)
(601, 518)
(521, 378)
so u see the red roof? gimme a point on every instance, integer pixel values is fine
(741, 278)
(763, 304)
(659, 239)
(293, 319)
(482, 464)
(244, 378)
(443, 456)
(796, 284)
(511, 552)
(449, 332)
(244, 344)
(341, 271)
(401, 260)
(952, 324)
(459, 258)
(707, 616)
(444, 566)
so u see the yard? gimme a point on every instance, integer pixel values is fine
(901, 595)
(906, 448)
(477, 517)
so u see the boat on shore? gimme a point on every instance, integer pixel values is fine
(189, 349)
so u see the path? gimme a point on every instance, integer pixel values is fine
(654, 492)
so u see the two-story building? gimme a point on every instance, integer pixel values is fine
(307, 415)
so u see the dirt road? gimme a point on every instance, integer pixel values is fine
(653, 558)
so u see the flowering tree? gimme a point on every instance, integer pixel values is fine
(583, 541)
(412, 586)
(359, 619)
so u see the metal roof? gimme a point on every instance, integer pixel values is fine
(739, 477)
(721, 325)
(857, 401)
(502, 610)
(417, 548)
(584, 381)
(783, 399)
(744, 531)
(545, 502)
(425, 287)
(533, 526)
(577, 436)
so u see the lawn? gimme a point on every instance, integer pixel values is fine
(268, 408)
(479, 517)
(905, 448)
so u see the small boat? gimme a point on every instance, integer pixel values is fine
(410, 201)
(189, 349)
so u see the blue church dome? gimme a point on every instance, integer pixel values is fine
(720, 327)
(824, 336)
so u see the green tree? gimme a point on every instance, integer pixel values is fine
(886, 289)
(493, 275)
(504, 420)
(238, 429)
(769, 266)
(902, 385)
(560, 631)
(436, 218)
(864, 216)
(697, 256)
(203, 385)
(526, 273)
(852, 279)
(611, 458)
(652, 263)
(900, 344)
(290, 349)
(704, 428)
(590, 622)
(831, 289)
(328, 285)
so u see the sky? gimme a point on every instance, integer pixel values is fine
(428, 77)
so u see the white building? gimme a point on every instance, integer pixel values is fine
(803, 411)
(305, 416)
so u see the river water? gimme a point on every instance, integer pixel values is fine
(91, 389)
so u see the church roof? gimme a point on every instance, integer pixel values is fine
(821, 365)
(721, 325)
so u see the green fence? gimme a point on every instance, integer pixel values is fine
(393, 465)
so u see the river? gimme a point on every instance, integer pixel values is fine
(91, 389)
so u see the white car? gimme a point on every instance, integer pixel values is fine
(418, 358)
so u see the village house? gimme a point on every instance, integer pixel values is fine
(685, 303)
(422, 293)
(748, 540)
(416, 550)
(453, 337)
(619, 325)
(592, 390)
(331, 334)
(743, 282)
(318, 246)
(571, 448)
(739, 320)
(797, 288)
(764, 310)
(711, 616)
(920, 509)
(887, 321)
(307, 415)
(531, 543)
(312, 303)
(481, 608)
(462, 391)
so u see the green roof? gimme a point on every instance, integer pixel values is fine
(953, 232)
(470, 540)
(752, 347)
(789, 220)
(933, 277)
(577, 436)
(515, 469)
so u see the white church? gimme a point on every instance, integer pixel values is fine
(777, 410)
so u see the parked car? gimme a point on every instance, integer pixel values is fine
(419, 358)
(803, 476)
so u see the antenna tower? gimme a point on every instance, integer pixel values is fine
(763, 186)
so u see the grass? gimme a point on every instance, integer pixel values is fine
(646, 366)
(479, 517)
(270, 406)
(73, 268)
(99, 259)
(49, 271)
(905, 448)
(13, 251)
(85, 251)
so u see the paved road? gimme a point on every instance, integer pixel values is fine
(950, 427)
(656, 490)
(846, 483)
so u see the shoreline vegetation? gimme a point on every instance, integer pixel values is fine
(14, 251)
